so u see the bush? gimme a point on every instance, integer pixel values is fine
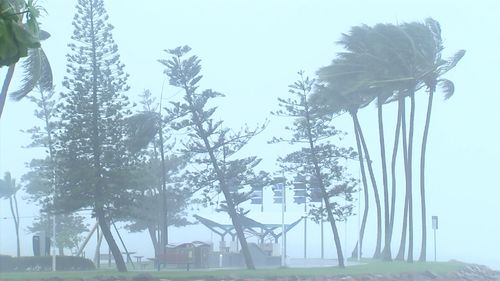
(5, 263)
(63, 263)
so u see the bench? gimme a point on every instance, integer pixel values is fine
(178, 259)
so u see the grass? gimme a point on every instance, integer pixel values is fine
(268, 273)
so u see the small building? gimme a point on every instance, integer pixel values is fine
(191, 255)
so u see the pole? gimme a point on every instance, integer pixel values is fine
(435, 254)
(283, 239)
(284, 210)
(359, 223)
(54, 240)
(97, 249)
(305, 229)
(322, 235)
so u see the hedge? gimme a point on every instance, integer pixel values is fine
(63, 263)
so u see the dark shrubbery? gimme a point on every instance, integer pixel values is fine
(5, 263)
(8, 263)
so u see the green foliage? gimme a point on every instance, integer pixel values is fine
(63, 263)
(18, 30)
(69, 229)
(210, 145)
(92, 158)
(311, 131)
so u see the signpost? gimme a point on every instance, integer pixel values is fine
(434, 227)
(279, 190)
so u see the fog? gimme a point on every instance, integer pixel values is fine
(251, 52)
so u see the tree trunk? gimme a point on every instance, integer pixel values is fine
(333, 225)
(410, 182)
(152, 235)
(113, 247)
(324, 194)
(386, 253)
(377, 252)
(5, 87)
(164, 224)
(395, 149)
(423, 249)
(365, 193)
(15, 217)
(402, 246)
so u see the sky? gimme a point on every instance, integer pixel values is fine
(251, 51)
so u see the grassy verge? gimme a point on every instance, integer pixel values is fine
(268, 273)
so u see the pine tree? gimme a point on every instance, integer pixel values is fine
(90, 147)
(40, 180)
(317, 164)
(210, 146)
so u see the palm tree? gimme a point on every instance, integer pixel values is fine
(431, 81)
(8, 189)
(329, 99)
(147, 125)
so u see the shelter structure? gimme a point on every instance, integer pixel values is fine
(250, 226)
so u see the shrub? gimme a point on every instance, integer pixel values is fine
(44, 263)
(5, 263)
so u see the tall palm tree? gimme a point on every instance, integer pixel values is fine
(9, 189)
(329, 99)
(376, 69)
(431, 81)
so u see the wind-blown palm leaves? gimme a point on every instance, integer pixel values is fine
(431, 80)
(21, 39)
(387, 63)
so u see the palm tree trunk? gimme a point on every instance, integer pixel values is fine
(423, 249)
(410, 182)
(386, 253)
(5, 87)
(402, 245)
(377, 252)
(397, 134)
(15, 216)
(117, 255)
(365, 193)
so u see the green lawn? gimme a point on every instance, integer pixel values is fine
(270, 273)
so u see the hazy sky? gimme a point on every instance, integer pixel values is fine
(251, 51)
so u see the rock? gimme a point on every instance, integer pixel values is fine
(430, 274)
(143, 277)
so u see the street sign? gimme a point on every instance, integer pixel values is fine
(434, 222)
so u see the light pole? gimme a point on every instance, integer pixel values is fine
(283, 230)
(305, 229)
(435, 227)
(322, 234)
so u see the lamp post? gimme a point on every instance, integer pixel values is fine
(435, 227)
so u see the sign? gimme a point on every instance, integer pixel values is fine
(434, 222)
(256, 197)
(278, 192)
